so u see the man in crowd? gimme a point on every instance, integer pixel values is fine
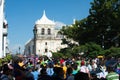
(112, 75)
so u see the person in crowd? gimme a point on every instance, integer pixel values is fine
(61, 61)
(41, 67)
(112, 75)
(102, 71)
(6, 73)
(69, 74)
(18, 70)
(88, 64)
(58, 73)
(94, 65)
(49, 70)
(56, 63)
(81, 76)
(63, 65)
(75, 70)
(35, 73)
(118, 66)
(94, 77)
(28, 74)
(49, 55)
(84, 68)
(43, 75)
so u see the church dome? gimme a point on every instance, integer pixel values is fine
(44, 20)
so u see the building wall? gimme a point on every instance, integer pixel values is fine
(44, 42)
(53, 45)
(1, 27)
(50, 45)
(45, 27)
(29, 47)
(50, 42)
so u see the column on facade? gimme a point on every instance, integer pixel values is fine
(4, 50)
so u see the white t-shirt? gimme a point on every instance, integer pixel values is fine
(49, 54)
(84, 69)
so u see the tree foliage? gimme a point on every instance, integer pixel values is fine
(101, 26)
(93, 49)
(114, 52)
(104, 18)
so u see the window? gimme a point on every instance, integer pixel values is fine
(49, 31)
(5, 25)
(42, 31)
(29, 50)
(45, 43)
(46, 50)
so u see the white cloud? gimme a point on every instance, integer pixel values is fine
(59, 25)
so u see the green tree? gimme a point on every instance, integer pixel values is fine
(77, 32)
(104, 18)
(102, 26)
(112, 52)
(93, 49)
(57, 55)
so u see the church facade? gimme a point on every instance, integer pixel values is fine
(46, 38)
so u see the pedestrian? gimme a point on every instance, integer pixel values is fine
(112, 75)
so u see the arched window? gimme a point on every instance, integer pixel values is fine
(49, 31)
(45, 43)
(42, 31)
(46, 50)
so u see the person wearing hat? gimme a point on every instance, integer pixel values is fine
(84, 68)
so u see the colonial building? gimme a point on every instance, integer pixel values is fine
(5, 40)
(3, 31)
(46, 38)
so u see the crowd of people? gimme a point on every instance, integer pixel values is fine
(77, 68)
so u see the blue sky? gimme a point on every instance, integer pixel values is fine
(22, 14)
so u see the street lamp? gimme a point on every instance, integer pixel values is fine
(19, 49)
(35, 34)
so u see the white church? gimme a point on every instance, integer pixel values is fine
(46, 38)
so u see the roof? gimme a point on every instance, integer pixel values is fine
(44, 20)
